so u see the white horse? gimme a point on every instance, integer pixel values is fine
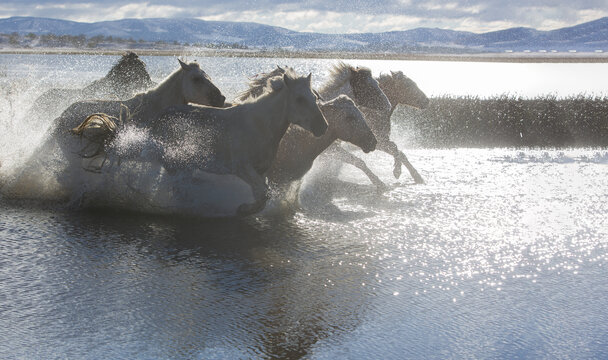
(241, 140)
(357, 83)
(399, 89)
(188, 84)
(298, 149)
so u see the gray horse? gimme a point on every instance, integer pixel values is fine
(399, 89)
(125, 79)
(188, 84)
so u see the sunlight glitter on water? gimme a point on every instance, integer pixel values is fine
(501, 254)
(488, 218)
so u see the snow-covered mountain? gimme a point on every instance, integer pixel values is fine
(584, 37)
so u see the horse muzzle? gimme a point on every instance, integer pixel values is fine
(370, 145)
(218, 101)
(319, 128)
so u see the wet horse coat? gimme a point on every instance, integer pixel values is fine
(400, 90)
(124, 80)
(243, 139)
(189, 83)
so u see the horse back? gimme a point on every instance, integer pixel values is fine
(53, 101)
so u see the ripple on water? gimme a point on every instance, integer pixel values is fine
(488, 259)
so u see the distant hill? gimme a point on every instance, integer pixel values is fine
(586, 37)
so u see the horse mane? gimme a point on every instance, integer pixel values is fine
(129, 71)
(265, 83)
(340, 73)
(128, 75)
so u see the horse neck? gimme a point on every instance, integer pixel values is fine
(311, 147)
(387, 88)
(168, 93)
(271, 117)
(336, 87)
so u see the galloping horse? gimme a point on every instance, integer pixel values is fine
(243, 139)
(188, 84)
(355, 82)
(126, 78)
(399, 89)
(298, 149)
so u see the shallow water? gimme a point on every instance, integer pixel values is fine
(503, 253)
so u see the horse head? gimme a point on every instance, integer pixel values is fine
(366, 91)
(198, 88)
(348, 122)
(303, 109)
(400, 89)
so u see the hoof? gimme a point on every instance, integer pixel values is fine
(381, 187)
(417, 178)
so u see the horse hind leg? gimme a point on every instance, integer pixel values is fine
(397, 167)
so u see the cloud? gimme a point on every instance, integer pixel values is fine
(338, 16)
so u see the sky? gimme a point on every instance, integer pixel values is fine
(331, 16)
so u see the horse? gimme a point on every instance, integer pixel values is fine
(241, 140)
(188, 84)
(298, 149)
(399, 89)
(357, 83)
(344, 79)
(124, 80)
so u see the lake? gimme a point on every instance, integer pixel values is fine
(503, 253)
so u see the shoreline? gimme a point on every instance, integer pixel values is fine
(480, 57)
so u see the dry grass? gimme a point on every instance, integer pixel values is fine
(505, 121)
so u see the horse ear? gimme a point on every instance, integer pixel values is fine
(183, 65)
(393, 73)
(319, 97)
(308, 78)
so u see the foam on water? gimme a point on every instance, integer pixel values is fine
(33, 167)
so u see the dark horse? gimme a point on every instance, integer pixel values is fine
(126, 78)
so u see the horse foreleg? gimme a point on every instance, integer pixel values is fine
(260, 191)
(349, 158)
(392, 149)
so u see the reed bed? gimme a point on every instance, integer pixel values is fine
(508, 121)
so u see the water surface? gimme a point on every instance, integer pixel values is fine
(502, 254)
